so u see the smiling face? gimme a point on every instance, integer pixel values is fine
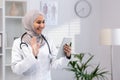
(39, 24)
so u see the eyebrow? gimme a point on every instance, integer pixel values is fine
(41, 20)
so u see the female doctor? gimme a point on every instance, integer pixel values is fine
(33, 54)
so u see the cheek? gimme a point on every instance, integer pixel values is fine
(38, 29)
(43, 26)
(35, 26)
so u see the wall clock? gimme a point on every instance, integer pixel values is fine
(83, 8)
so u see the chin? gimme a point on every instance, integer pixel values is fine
(39, 33)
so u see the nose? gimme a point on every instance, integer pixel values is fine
(42, 25)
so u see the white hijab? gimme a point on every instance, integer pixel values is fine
(28, 21)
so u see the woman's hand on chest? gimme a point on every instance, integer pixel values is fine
(35, 46)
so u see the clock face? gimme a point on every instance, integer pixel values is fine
(83, 8)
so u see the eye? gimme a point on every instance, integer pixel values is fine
(39, 22)
(43, 21)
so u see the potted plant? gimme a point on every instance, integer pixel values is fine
(83, 70)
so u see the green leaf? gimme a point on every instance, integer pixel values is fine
(89, 60)
(79, 56)
(79, 67)
(72, 63)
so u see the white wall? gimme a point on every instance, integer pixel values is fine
(111, 13)
(89, 38)
(111, 19)
(84, 31)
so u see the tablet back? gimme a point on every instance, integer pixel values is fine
(66, 40)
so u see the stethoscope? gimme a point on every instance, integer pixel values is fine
(23, 43)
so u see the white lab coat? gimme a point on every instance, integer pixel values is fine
(25, 65)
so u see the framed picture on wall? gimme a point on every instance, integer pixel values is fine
(0, 42)
(50, 10)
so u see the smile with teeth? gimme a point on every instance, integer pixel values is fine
(38, 29)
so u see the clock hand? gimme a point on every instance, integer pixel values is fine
(81, 10)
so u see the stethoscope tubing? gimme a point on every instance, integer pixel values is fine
(23, 43)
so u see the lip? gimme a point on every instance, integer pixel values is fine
(39, 29)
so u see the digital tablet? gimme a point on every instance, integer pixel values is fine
(66, 40)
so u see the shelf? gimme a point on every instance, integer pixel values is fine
(8, 61)
(11, 34)
(8, 57)
(10, 75)
(1, 19)
(1, 31)
(8, 65)
(13, 13)
(1, 54)
(1, 1)
(14, 17)
(8, 48)
(15, 8)
(16, 0)
(1, 67)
